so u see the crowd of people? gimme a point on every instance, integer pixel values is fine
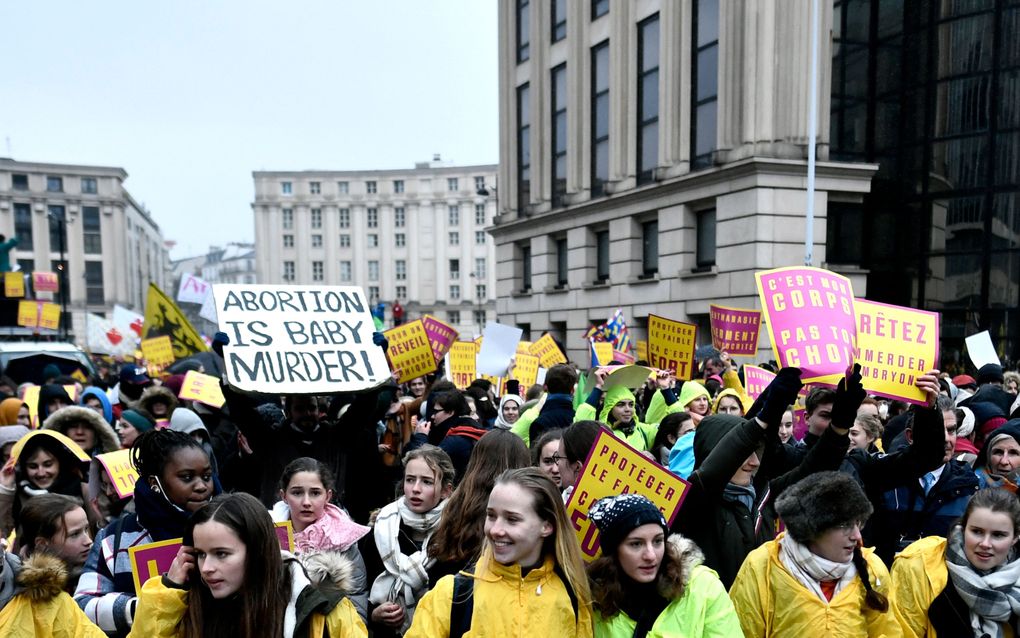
(421, 509)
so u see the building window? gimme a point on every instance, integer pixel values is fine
(453, 316)
(599, 118)
(288, 218)
(373, 218)
(559, 20)
(562, 267)
(401, 292)
(523, 146)
(373, 294)
(288, 271)
(56, 216)
(454, 215)
(286, 188)
(345, 241)
(454, 269)
(288, 241)
(88, 185)
(345, 218)
(705, 252)
(479, 214)
(373, 270)
(649, 248)
(602, 256)
(480, 267)
(370, 187)
(373, 240)
(480, 183)
(844, 228)
(480, 317)
(525, 268)
(19, 182)
(451, 184)
(648, 98)
(704, 81)
(399, 218)
(454, 238)
(480, 292)
(399, 240)
(318, 272)
(314, 188)
(479, 237)
(343, 188)
(316, 241)
(400, 267)
(345, 271)
(559, 134)
(316, 218)
(54, 184)
(92, 230)
(398, 186)
(523, 31)
(23, 225)
(599, 8)
(454, 292)
(94, 294)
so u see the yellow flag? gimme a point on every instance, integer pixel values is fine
(163, 317)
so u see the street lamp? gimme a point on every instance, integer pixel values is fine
(61, 220)
(478, 303)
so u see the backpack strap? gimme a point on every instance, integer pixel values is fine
(462, 605)
(566, 585)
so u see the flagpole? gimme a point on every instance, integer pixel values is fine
(809, 225)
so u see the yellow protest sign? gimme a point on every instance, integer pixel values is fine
(28, 314)
(547, 351)
(603, 352)
(462, 363)
(163, 317)
(121, 470)
(895, 346)
(31, 399)
(526, 370)
(523, 347)
(614, 467)
(642, 350)
(80, 376)
(671, 345)
(14, 284)
(159, 351)
(409, 351)
(202, 388)
(49, 316)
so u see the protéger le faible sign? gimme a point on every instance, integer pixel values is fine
(299, 339)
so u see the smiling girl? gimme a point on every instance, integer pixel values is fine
(529, 580)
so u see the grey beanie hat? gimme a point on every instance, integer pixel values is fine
(820, 502)
(184, 420)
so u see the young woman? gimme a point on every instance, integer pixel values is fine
(131, 425)
(57, 525)
(866, 430)
(231, 578)
(694, 399)
(175, 480)
(325, 537)
(509, 411)
(85, 427)
(11, 412)
(545, 454)
(670, 430)
(786, 427)
(644, 582)
(728, 402)
(403, 531)
(815, 576)
(966, 584)
(529, 580)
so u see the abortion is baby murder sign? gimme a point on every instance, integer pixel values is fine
(299, 339)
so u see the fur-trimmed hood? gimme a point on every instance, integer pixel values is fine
(106, 439)
(42, 577)
(330, 569)
(157, 393)
(690, 554)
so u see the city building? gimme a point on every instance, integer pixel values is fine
(416, 236)
(110, 246)
(230, 264)
(655, 156)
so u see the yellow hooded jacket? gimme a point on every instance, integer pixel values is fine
(643, 435)
(43, 608)
(772, 602)
(919, 576)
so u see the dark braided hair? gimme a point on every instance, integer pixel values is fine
(154, 448)
(872, 598)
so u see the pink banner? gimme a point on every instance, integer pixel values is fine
(810, 317)
(756, 380)
(735, 330)
(441, 336)
(45, 281)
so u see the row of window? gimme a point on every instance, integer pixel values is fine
(557, 23)
(372, 186)
(347, 276)
(372, 239)
(54, 184)
(372, 217)
(92, 230)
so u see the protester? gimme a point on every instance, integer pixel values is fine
(866, 430)
(451, 428)
(509, 411)
(231, 578)
(618, 412)
(96, 399)
(402, 534)
(529, 579)
(786, 427)
(9, 435)
(555, 409)
(545, 454)
(729, 401)
(52, 397)
(45, 462)
(325, 537)
(158, 401)
(85, 427)
(694, 399)
(131, 425)
(133, 381)
(667, 434)
(998, 462)
(55, 524)
(575, 446)
(14, 412)
(966, 584)
(815, 576)
(645, 584)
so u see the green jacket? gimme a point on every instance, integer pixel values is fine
(643, 435)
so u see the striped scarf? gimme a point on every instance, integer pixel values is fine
(992, 596)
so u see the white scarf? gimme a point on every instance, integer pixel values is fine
(992, 597)
(405, 579)
(811, 569)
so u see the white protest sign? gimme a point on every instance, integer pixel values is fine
(299, 339)
(193, 289)
(208, 310)
(981, 350)
(499, 344)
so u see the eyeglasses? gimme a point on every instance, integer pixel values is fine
(555, 458)
(848, 528)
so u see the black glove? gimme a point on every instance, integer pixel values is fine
(849, 394)
(379, 339)
(782, 393)
(219, 340)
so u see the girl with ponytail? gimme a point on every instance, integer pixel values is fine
(816, 575)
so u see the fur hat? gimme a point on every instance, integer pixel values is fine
(820, 502)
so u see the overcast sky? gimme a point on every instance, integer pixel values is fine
(189, 97)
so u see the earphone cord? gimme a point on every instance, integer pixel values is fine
(162, 492)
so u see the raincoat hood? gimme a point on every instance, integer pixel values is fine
(9, 411)
(99, 394)
(613, 396)
(61, 420)
(745, 403)
(691, 391)
(710, 432)
(157, 394)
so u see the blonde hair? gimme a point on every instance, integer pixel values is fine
(438, 461)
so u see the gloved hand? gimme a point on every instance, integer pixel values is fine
(219, 340)
(782, 393)
(379, 339)
(849, 394)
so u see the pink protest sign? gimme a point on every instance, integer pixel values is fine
(756, 380)
(43, 281)
(441, 336)
(735, 330)
(810, 316)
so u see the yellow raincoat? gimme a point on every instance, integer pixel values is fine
(43, 608)
(772, 602)
(919, 576)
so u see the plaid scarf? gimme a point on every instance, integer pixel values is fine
(992, 596)
(811, 569)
